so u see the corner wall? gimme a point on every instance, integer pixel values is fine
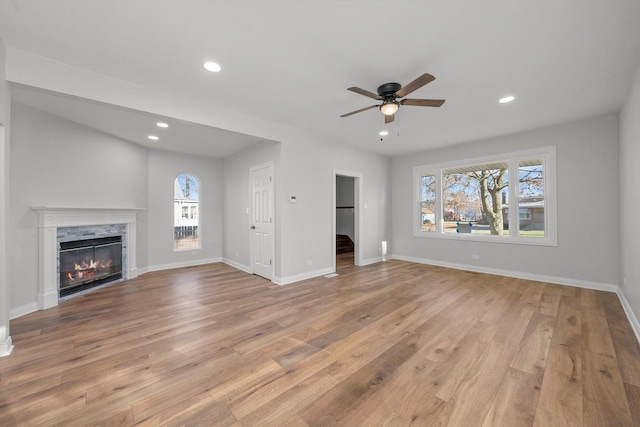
(163, 169)
(236, 203)
(56, 162)
(5, 115)
(629, 176)
(307, 226)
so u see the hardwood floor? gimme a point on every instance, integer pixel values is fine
(393, 343)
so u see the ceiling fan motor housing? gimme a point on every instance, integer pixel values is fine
(389, 89)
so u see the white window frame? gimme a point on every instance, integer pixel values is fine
(547, 154)
(188, 213)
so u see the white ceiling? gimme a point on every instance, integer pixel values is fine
(135, 126)
(290, 62)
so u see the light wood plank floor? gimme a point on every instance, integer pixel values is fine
(393, 343)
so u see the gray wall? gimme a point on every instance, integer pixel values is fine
(5, 110)
(587, 201)
(307, 226)
(163, 169)
(630, 197)
(56, 162)
(236, 201)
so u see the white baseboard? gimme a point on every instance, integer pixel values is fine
(14, 313)
(599, 286)
(635, 324)
(237, 265)
(302, 276)
(6, 347)
(181, 264)
(135, 272)
(370, 261)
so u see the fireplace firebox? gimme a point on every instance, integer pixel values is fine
(88, 263)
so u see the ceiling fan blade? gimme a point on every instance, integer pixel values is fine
(359, 111)
(389, 119)
(423, 102)
(416, 84)
(364, 92)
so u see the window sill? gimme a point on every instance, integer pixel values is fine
(513, 240)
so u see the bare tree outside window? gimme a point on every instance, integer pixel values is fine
(477, 195)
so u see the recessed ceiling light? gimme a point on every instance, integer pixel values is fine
(506, 99)
(384, 133)
(212, 66)
(153, 137)
(162, 125)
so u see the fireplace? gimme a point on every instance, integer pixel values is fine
(85, 264)
(61, 225)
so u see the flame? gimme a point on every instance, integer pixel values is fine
(87, 270)
(88, 266)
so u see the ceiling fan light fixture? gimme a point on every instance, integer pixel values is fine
(212, 66)
(389, 108)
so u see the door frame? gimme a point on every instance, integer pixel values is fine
(253, 168)
(358, 213)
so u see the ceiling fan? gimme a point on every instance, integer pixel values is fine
(389, 93)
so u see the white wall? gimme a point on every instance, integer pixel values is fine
(307, 172)
(587, 202)
(630, 199)
(5, 113)
(236, 201)
(163, 168)
(56, 162)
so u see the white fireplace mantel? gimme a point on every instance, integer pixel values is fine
(50, 218)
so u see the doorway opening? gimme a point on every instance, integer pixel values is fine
(346, 219)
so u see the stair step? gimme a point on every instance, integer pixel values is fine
(344, 244)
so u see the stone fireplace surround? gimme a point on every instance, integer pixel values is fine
(54, 223)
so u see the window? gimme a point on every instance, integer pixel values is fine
(186, 199)
(475, 196)
(531, 198)
(471, 199)
(428, 203)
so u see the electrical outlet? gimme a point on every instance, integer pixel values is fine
(309, 262)
(475, 256)
(194, 252)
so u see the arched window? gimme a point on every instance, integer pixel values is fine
(186, 212)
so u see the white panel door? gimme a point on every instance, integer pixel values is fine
(262, 221)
